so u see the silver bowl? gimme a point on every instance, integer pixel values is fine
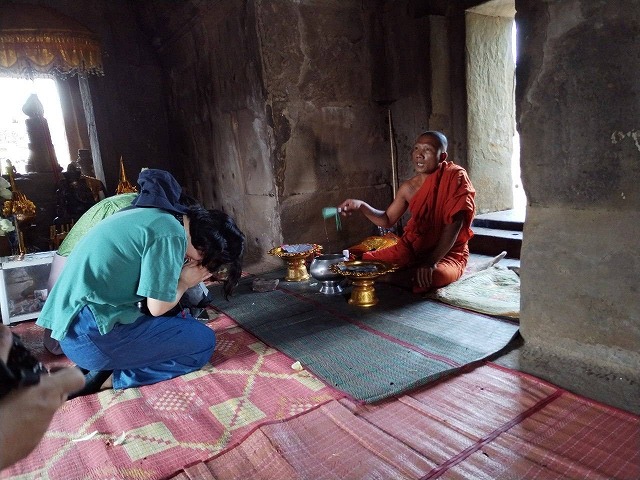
(320, 269)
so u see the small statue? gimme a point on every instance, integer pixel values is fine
(74, 197)
(42, 156)
(85, 163)
(10, 169)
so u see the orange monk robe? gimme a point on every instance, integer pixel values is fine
(443, 194)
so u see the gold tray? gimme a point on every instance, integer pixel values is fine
(374, 243)
(298, 250)
(363, 268)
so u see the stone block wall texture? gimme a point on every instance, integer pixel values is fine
(211, 59)
(280, 108)
(329, 136)
(577, 101)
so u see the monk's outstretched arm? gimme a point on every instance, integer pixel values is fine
(381, 218)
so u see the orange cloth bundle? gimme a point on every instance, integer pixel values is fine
(373, 243)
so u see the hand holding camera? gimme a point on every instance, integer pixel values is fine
(31, 400)
(21, 369)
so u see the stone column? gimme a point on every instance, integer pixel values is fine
(490, 107)
(578, 99)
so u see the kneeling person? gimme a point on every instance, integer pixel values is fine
(132, 256)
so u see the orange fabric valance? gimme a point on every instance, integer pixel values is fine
(36, 41)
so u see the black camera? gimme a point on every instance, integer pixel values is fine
(21, 370)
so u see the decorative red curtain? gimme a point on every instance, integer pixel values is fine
(37, 41)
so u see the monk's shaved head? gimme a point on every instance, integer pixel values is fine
(439, 136)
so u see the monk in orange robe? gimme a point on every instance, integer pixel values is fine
(433, 250)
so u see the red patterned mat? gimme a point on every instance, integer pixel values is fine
(154, 431)
(31, 336)
(488, 423)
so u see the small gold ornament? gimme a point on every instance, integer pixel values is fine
(21, 208)
(19, 205)
(124, 186)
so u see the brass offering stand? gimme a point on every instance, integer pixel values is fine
(295, 256)
(23, 210)
(363, 275)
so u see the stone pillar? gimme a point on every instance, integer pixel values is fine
(578, 99)
(491, 110)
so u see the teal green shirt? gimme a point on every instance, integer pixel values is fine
(131, 255)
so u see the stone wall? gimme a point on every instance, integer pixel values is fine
(283, 109)
(577, 101)
(223, 130)
(329, 135)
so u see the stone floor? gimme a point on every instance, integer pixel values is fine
(585, 379)
(589, 380)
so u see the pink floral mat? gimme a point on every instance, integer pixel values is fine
(154, 431)
(486, 423)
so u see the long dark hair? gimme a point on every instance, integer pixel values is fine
(216, 235)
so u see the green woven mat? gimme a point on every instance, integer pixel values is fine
(494, 291)
(370, 353)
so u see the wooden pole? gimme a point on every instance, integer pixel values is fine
(394, 161)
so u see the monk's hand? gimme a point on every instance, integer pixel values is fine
(349, 206)
(424, 276)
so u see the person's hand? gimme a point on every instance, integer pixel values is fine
(26, 412)
(349, 206)
(6, 340)
(424, 276)
(193, 273)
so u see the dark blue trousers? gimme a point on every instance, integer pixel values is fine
(147, 351)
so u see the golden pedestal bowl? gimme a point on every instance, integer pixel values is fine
(295, 256)
(363, 274)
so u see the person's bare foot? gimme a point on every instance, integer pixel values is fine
(95, 381)
(108, 383)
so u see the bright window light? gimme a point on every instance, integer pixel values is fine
(14, 141)
(519, 197)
